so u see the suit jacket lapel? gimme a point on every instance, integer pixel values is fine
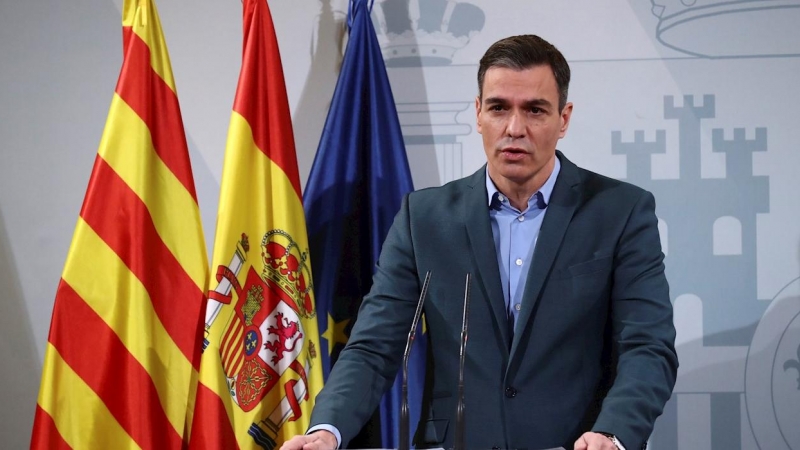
(563, 203)
(479, 230)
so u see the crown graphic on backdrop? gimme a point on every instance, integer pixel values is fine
(429, 32)
(713, 28)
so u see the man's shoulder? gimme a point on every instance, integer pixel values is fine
(594, 180)
(449, 193)
(595, 183)
(599, 190)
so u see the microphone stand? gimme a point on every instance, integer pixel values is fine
(459, 433)
(404, 432)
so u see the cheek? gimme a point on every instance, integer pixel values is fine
(490, 130)
(551, 132)
(486, 139)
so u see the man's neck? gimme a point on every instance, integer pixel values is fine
(518, 194)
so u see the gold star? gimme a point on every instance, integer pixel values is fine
(334, 334)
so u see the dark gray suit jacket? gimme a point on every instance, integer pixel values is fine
(594, 341)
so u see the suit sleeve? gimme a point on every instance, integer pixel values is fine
(368, 364)
(642, 331)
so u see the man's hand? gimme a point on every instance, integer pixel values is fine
(594, 441)
(318, 440)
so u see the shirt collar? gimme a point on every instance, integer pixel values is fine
(542, 196)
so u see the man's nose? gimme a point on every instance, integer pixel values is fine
(515, 128)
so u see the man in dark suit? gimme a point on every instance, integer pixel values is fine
(571, 336)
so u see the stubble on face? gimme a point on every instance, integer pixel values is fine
(520, 124)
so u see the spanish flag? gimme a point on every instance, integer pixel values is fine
(122, 358)
(260, 368)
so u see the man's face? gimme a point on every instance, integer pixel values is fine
(519, 120)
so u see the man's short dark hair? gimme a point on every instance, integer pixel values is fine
(524, 52)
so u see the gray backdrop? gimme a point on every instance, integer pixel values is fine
(695, 100)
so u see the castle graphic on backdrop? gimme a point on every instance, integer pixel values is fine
(708, 230)
(714, 217)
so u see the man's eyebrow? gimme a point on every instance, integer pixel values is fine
(541, 102)
(538, 102)
(495, 100)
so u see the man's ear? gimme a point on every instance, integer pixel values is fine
(478, 113)
(566, 115)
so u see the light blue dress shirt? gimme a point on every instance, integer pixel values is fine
(515, 233)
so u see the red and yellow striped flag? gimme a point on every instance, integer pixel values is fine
(260, 369)
(122, 358)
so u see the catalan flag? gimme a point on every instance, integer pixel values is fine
(122, 357)
(260, 368)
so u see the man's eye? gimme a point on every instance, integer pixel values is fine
(496, 108)
(536, 110)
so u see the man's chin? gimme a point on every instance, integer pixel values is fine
(516, 176)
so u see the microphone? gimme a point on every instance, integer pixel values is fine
(404, 440)
(459, 434)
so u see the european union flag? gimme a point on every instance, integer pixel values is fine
(357, 182)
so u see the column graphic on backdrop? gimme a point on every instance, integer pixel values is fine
(417, 34)
(737, 386)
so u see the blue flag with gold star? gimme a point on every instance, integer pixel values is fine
(357, 182)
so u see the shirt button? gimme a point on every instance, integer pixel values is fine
(518, 261)
(501, 197)
(518, 306)
(511, 392)
(521, 218)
